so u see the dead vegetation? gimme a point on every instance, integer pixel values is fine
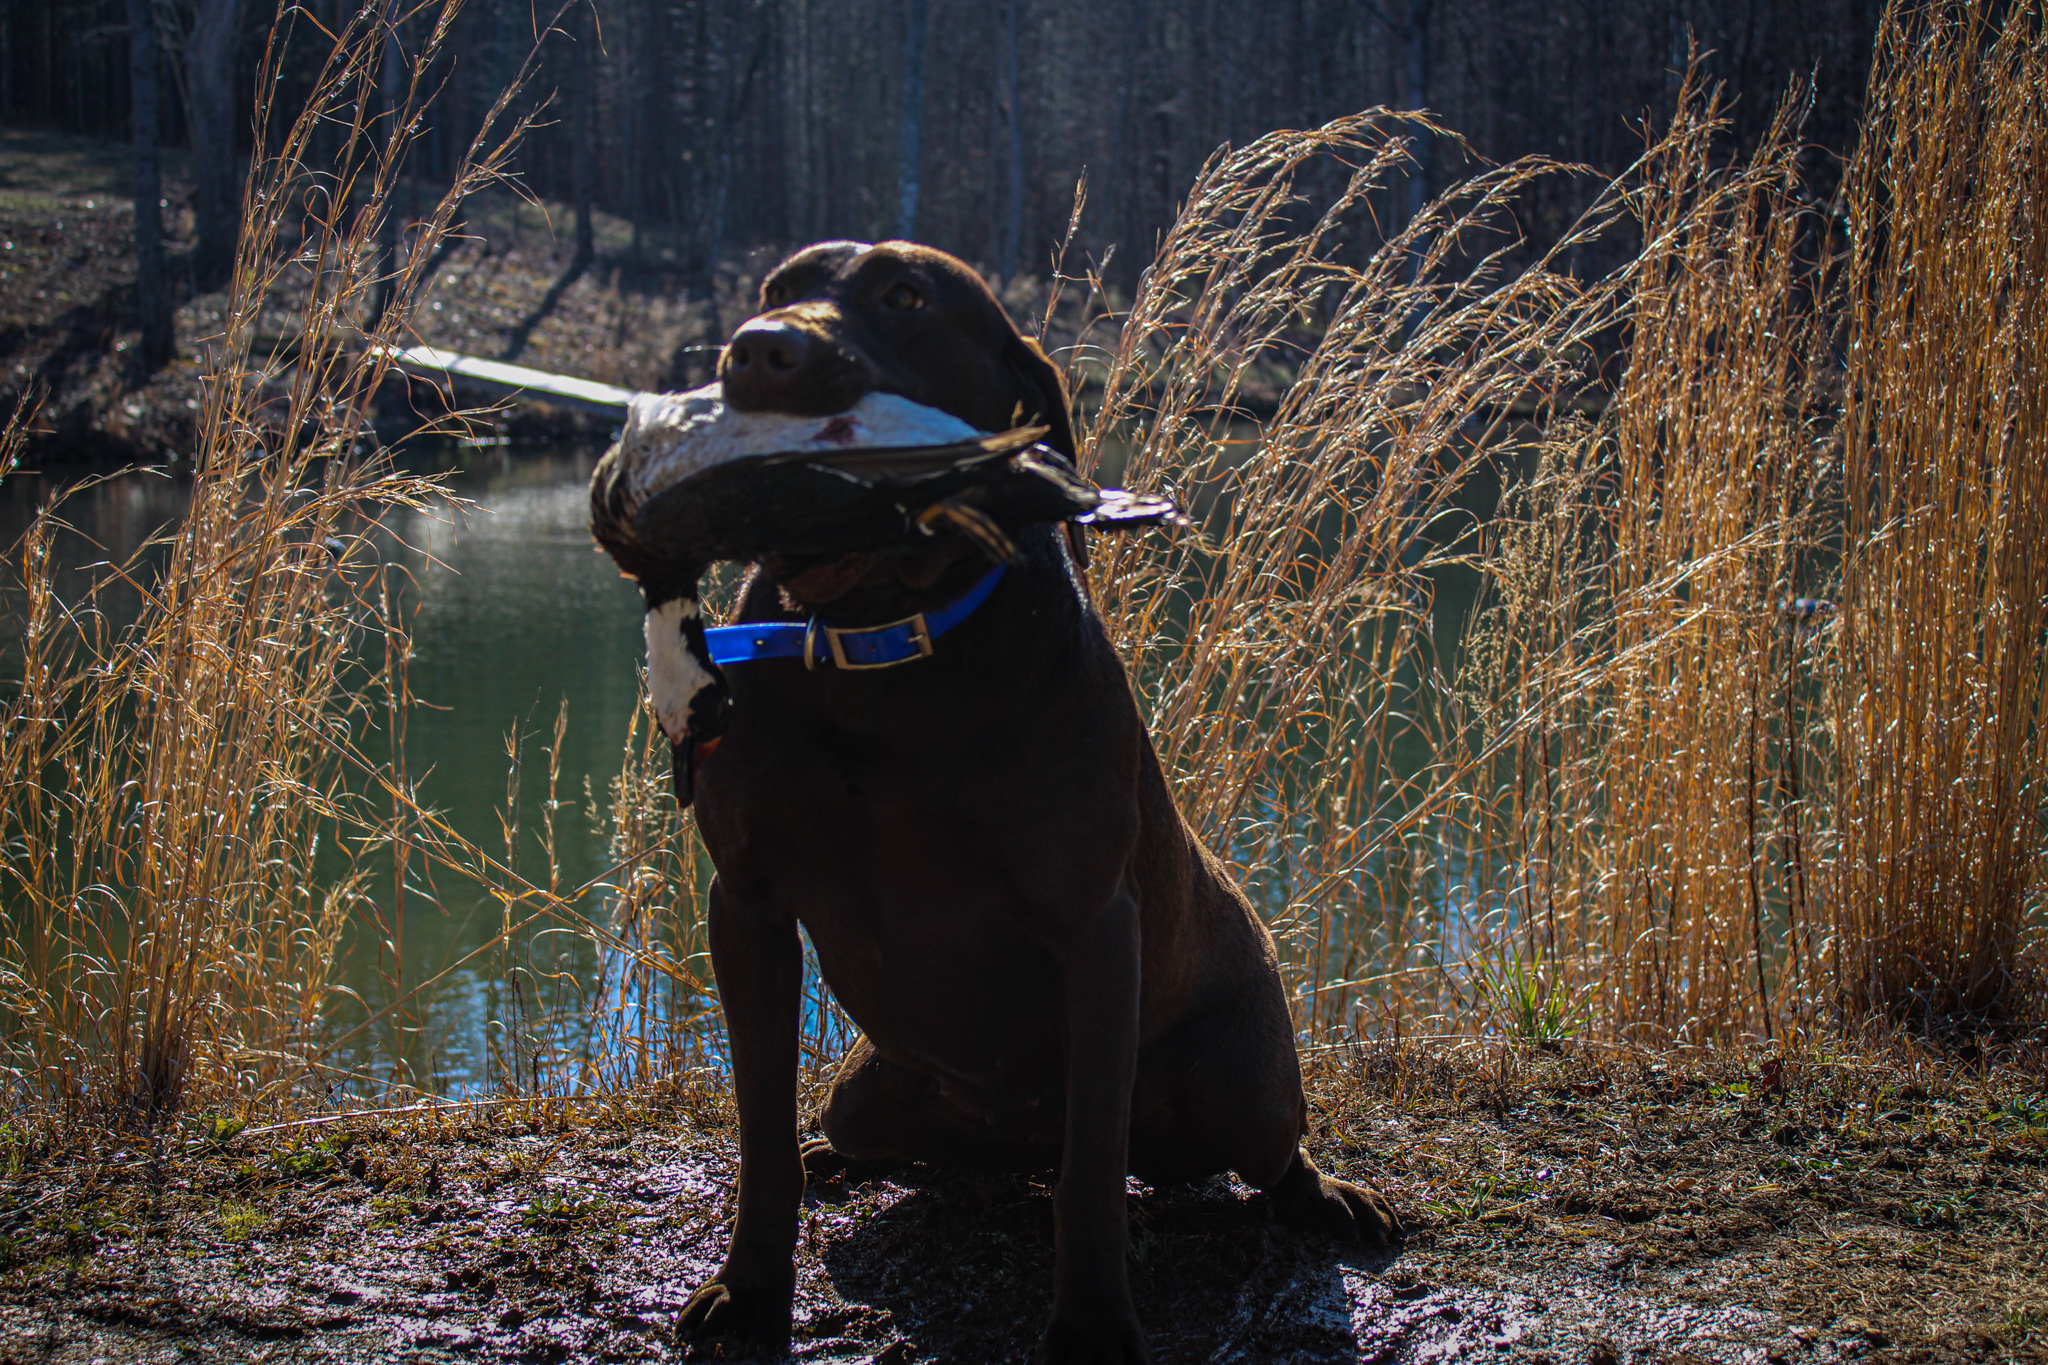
(196, 798)
(1749, 736)
(1817, 1205)
(1654, 805)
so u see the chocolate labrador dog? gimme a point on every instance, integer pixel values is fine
(1048, 966)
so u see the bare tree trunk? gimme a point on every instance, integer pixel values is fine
(802, 196)
(326, 143)
(1013, 152)
(1123, 176)
(209, 103)
(1415, 94)
(152, 294)
(910, 149)
(583, 32)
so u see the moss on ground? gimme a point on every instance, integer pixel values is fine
(1581, 1206)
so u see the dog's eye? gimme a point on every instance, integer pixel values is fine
(903, 296)
(775, 294)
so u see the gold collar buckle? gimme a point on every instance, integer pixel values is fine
(920, 637)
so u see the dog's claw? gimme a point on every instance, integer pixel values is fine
(736, 1310)
(1374, 1221)
(1309, 1201)
(1344, 1212)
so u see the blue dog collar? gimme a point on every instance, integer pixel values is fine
(814, 642)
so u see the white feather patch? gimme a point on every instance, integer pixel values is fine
(674, 676)
(671, 436)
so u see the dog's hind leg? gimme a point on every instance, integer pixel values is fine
(1305, 1199)
(881, 1114)
(823, 1163)
(1223, 1092)
(823, 1159)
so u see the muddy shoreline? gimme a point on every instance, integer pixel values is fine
(1588, 1205)
(506, 288)
(1585, 1208)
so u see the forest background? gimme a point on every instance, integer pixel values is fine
(712, 129)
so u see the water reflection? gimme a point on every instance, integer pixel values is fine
(515, 614)
(517, 620)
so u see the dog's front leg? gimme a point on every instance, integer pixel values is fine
(758, 963)
(1092, 1316)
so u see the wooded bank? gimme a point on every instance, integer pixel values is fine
(719, 126)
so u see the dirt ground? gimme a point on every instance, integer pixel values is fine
(68, 330)
(1589, 1207)
(1592, 1206)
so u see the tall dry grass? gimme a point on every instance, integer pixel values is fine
(1729, 818)
(168, 780)
(1285, 653)
(1937, 698)
(1637, 795)
(199, 802)
(1638, 664)
(1655, 797)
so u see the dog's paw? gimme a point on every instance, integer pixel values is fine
(824, 1163)
(1103, 1340)
(757, 1314)
(1309, 1201)
(1367, 1216)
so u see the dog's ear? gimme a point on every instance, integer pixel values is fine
(1045, 390)
(1036, 372)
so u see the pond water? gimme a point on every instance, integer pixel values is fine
(517, 614)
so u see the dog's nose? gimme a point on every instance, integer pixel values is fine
(764, 366)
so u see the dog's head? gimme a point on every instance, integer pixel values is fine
(840, 320)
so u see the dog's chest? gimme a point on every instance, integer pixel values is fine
(854, 826)
(917, 899)
(986, 810)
